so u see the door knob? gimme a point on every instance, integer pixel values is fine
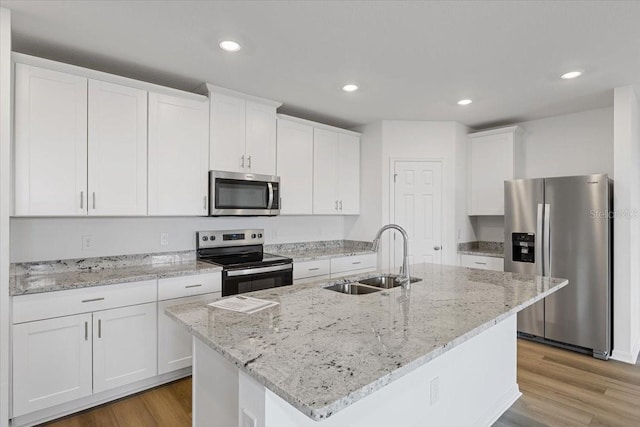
(437, 248)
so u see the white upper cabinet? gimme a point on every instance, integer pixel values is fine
(50, 142)
(295, 167)
(348, 174)
(243, 132)
(117, 150)
(178, 155)
(336, 173)
(325, 172)
(493, 158)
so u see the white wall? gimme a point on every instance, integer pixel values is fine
(5, 178)
(572, 144)
(38, 239)
(626, 301)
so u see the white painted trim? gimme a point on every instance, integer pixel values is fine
(208, 88)
(630, 357)
(6, 124)
(514, 129)
(317, 125)
(392, 195)
(97, 399)
(102, 76)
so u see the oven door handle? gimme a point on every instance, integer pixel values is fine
(250, 271)
(270, 186)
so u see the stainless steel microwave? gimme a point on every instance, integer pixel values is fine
(243, 194)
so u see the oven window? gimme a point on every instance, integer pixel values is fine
(233, 194)
(256, 282)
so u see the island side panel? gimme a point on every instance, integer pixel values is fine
(215, 388)
(476, 384)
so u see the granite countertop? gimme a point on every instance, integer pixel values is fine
(37, 277)
(321, 350)
(482, 248)
(310, 251)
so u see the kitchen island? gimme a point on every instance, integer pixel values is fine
(441, 353)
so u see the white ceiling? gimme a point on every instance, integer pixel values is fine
(412, 60)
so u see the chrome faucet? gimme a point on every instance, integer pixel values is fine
(404, 270)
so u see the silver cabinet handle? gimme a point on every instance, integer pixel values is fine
(205, 203)
(314, 269)
(82, 200)
(480, 263)
(340, 204)
(336, 205)
(99, 328)
(249, 162)
(93, 299)
(86, 331)
(94, 200)
(193, 286)
(437, 248)
(242, 161)
(356, 262)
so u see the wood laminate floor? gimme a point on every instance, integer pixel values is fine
(560, 388)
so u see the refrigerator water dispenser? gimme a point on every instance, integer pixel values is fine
(523, 247)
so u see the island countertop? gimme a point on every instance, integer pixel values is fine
(321, 350)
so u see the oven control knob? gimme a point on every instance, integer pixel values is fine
(205, 238)
(253, 236)
(213, 237)
(260, 235)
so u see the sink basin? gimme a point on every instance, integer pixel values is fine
(352, 289)
(387, 281)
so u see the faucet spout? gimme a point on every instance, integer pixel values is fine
(404, 270)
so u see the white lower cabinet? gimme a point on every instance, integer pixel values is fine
(124, 346)
(345, 266)
(174, 342)
(51, 362)
(482, 262)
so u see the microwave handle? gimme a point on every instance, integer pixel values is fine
(270, 186)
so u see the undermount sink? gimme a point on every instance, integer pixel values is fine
(352, 288)
(387, 281)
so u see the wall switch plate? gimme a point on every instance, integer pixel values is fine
(87, 241)
(434, 391)
(248, 420)
(164, 239)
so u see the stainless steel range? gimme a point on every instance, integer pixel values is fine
(245, 267)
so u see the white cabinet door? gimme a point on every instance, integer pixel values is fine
(227, 133)
(325, 172)
(117, 149)
(174, 342)
(51, 362)
(348, 174)
(124, 346)
(50, 142)
(295, 167)
(260, 138)
(482, 262)
(178, 155)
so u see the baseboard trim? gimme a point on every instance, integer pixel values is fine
(630, 357)
(72, 407)
(501, 407)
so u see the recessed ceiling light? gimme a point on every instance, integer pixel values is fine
(571, 75)
(229, 46)
(350, 88)
(465, 102)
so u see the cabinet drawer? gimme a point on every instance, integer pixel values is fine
(46, 305)
(302, 270)
(482, 262)
(356, 262)
(185, 286)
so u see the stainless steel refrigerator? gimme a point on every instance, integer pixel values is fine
(561, 227)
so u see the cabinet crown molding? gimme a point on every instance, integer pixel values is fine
(317, 125)
(508, 129)
(208, 88)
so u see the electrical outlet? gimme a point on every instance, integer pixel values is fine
(87, 241)
(434, 391)
(164, 239)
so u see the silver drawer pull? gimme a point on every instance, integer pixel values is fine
(480, 263)
(93, 300)
(99, 328)
(193, 286)
(356, 262)
(86, 331)
(314, 269)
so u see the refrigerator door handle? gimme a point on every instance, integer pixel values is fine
(547, 240)
(539, 242)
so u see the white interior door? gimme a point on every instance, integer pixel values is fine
(418, 209)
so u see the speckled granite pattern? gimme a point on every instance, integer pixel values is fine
(309, 251)
(321, 350)
(48, 276)
(482, 248)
